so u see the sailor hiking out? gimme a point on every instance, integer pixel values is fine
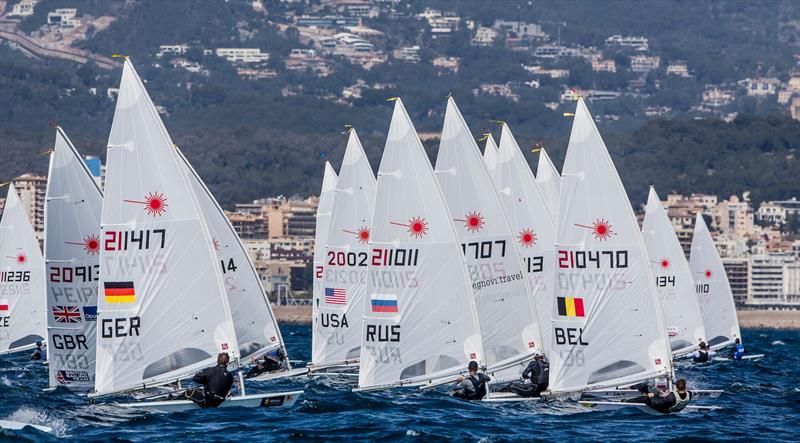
(39, 353)
(473, 386)
(667, 402)
(738, 350)
(216, 381)
(703, 354)
(535, 378)
(273, 361)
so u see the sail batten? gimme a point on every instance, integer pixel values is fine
(72, 236)
(162, 308)
(608, 328)
(419, 316)
(339, 308)
(508, 322)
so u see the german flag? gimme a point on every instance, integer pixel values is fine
(119, 292)
(570, 306)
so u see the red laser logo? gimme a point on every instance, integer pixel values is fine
(91, 244)
(154, 203)
(473, 221)
(417, 226)
(527, 238)
(601, 229)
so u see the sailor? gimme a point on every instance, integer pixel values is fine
(738, 350)
(703, 354)
(273, 361)
(673, 401)
(535, 377)
(216, 381)
(473, 387)
(39, 353)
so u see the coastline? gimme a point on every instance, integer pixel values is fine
(750, 318)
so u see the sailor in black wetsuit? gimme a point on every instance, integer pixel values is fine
(216, 381)
(673, 401)
(38, 353)
(536, 377)
(273, 361)
(472, 387)
(703, 354)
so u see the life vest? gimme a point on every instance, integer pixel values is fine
(702, 356)
(738, 352)
(479, 382)
(680, 403)
(543, 377)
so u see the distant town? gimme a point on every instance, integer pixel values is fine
(761, 256)
(331, 38)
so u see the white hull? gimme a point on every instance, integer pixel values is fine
(754, 357)
(280, 374)
(625, 394)
(274, 400)
(509, 397)
(616, 405)
(16, 426)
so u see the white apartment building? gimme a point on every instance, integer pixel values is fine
(774, 278)
(760, 87)
(64, 18)
(31, 189)
(23, 8)
(716, 97)
(734, 217)
(172, 50)
(679, 68)
(520, 29)
(603, 65)
(408, 54)
(635, 42)
(484, 36)
(449, 63)
(243, 55)
(644, 63)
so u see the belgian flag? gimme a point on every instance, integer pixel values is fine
(570, 306)
(119, 292)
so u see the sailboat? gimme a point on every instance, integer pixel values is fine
(73, 203)
(164, 311)
(23, 301)
(509, 326)
(339, 309)
(713, 289)
(549, 181)
(531, 224)
(257, 329)
(420, 325)
(674, 281)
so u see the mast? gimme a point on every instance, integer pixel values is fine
(163, 311)
(73, 203)
(608, 327)
(507, 316)
(419, 320)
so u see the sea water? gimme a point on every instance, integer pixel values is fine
(761, 402)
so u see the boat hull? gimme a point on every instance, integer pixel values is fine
(616, 405)
(272, 400)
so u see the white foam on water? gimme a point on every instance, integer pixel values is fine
(412, 433)
(778, 343)
(39, 417)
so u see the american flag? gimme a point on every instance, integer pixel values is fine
(335, 296)
(67, 314)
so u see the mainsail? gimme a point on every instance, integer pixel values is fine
(337, 336)
(674, 281)
(713, 289)
(549, 182)
(73, 204)
(22, 287)
(508, 322)
(608, 329)
(256, 327)
(419, 316)
(535, 235)
(163, 309)
(326, 197)
(490, 154)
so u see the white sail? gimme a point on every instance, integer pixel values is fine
(608, 329)
(323, 222)
(674, 281)
(73, 205)
(163, 310)
(22, 288)
(535, 235)
(549, 181)
(508, 322)
(713, 289)
(337, 317)
(490, 154)
(257, 329)
(419, 316)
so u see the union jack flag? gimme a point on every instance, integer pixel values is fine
(67, 314)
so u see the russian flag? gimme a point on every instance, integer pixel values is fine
(384, 303)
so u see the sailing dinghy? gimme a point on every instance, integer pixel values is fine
(338, 311)
(549, 181)
(713, 289)
(23, 300)
(73, 204)
(420, 325)
(509, 326)
(257, 329)
(674, 281)
(164, 311)
(608, 327)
